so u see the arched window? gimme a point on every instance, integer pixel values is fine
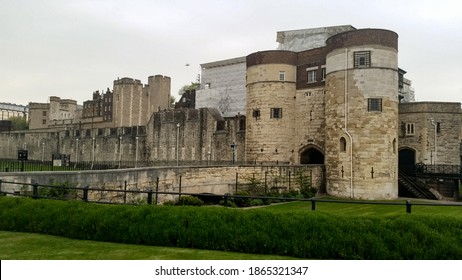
(343, 144)
(394, 146)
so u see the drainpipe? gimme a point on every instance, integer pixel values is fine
(346, 124)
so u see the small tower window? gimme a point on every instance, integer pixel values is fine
(362, 59)
(343, 144)
(276, 113)
(374, 104)
(282, 76)
(410, 129)
(256, 113)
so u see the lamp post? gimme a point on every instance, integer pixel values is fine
(177, 143)
(120, 150)
(434, 125)
(43, 150)
(233, 148)
(136, 151)
(76, 151)
(93, 152)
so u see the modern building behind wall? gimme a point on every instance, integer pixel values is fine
(223, 86)
(8, 110)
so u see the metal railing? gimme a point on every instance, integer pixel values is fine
(34, 166)
(434, 169)
(151, 196)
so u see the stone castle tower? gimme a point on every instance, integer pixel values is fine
(335, 105)
(134, 103)
(271, 80)
(362, 114)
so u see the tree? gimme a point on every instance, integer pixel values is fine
(19, 123)
(184, 88)
(172, 101)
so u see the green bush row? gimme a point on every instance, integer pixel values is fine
(305, 235)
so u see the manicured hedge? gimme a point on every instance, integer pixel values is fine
(311, 235)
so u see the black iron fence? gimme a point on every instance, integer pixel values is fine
(8, 165)
(151, 196)
(433, 169)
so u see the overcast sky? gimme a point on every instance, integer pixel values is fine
(72, 48)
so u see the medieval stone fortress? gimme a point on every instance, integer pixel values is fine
(333, 98)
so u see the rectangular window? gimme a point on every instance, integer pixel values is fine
(44, 113)
(276, 113)
(256, 113)
(409, 129)
(374, 104)
(323, 73)
(282, 76)
(241, 124)
(44, 121)
(438, 127)
(311, 76)
(362, 59)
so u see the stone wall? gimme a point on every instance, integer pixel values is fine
(202, 136)
(446, 126)
(216, 180)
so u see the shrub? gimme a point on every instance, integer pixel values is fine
(244, 201)
(169, 203)
(256, 202)
(229, 203)
(308, 192)
(305, 235)
(189, 201)
(58, 190)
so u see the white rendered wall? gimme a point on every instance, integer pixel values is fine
(223, 87)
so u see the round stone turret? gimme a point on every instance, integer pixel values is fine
(362, 114)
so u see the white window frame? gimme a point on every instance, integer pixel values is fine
(282, 76)
(311, 75)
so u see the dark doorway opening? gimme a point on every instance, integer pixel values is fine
(312, 156)
(406, 160)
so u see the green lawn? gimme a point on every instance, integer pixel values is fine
(371, 210)
(32, 246)
(16, 245)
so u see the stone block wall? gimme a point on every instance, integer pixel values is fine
(216, 180)
(361, 144)
(446, 126)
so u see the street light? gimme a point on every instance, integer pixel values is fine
(93, 154)
(136, 152)
(434, 124)
(120, 150)
(43, 150)
(177, 142)
(76, 151)
(233, 148)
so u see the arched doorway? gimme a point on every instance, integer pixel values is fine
(406, 159)
(311, 156)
